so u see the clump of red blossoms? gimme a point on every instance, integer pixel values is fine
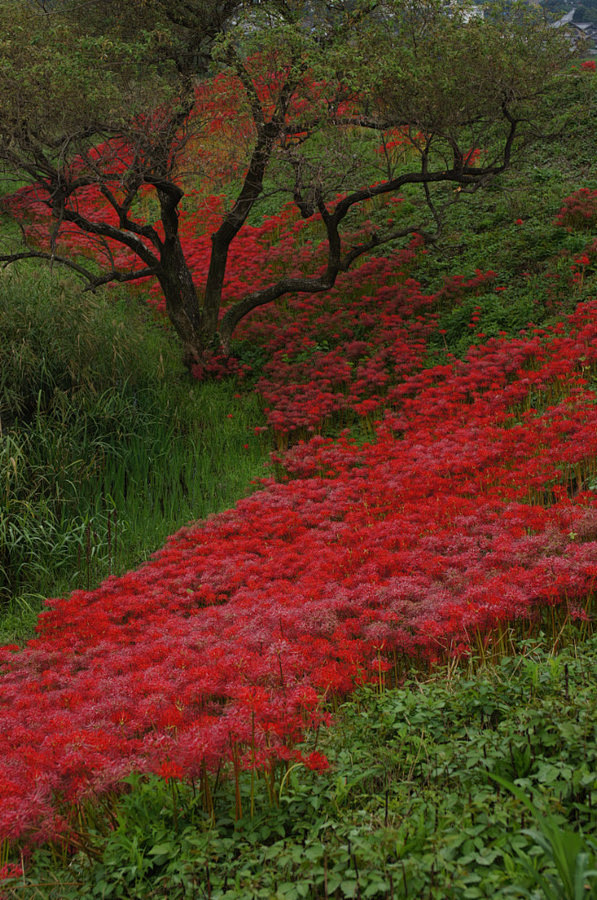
(471, 509)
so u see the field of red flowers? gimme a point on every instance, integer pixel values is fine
(469, 514)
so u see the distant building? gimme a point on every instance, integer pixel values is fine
(579, 31)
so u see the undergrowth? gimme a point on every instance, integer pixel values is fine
(106, 447)
(480, 782)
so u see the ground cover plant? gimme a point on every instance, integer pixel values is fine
(456, 519)
(413, 805)
(473, 508)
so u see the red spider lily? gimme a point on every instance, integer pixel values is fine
(471, 507)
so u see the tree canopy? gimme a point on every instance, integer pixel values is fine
(103, 113)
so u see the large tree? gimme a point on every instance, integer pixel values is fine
(109, 100)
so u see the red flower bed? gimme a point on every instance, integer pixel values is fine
(335, 357)
(473, 506)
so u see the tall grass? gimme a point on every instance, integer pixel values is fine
(106, 446)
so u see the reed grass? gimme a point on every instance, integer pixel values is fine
(106, 445)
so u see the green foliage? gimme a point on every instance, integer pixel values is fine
(441, 70)
(528, 227)
(46, 88)
(412, 806)
(59, 344)
(106, 446)
(569, 852)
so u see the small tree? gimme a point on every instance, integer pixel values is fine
(112, 111)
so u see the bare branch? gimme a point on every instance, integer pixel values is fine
(94, 280)
(337, 263)
(124, 220)
(7, 259)
(116, 275)
(128, 238)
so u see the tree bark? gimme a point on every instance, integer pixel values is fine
(182, 303)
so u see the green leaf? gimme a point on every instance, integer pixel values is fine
(161, 849)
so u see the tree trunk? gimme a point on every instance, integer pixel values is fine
(182, 303)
